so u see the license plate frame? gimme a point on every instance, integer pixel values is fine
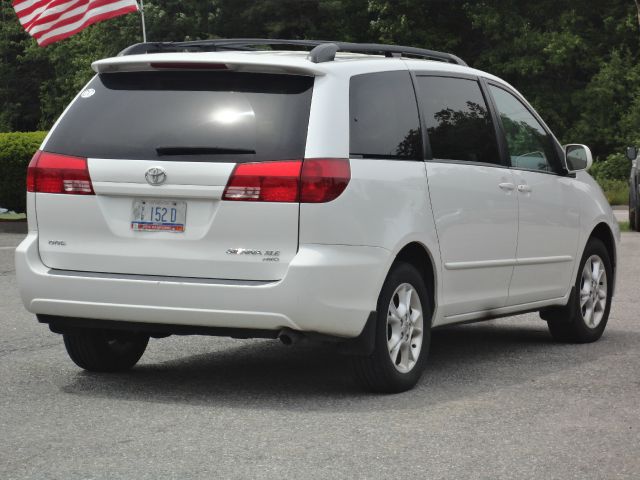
(158, 215)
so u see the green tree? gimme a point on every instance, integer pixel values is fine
(575, 60)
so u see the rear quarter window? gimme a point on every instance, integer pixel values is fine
(189, 116)
(384, 117)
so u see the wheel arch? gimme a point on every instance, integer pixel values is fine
(603, 232)
(419, 256)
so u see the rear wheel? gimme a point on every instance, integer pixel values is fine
(105, 350)
(584, 319)
(402, 334)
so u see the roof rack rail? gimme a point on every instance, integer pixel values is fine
(322, 50)
(388, 51)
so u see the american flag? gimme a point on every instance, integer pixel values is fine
(51, 20)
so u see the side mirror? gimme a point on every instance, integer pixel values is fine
(632, 153)
(577, 157)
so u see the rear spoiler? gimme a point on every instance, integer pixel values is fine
(235, 61)
(320, 50)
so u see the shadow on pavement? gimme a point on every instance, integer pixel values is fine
(464, 361)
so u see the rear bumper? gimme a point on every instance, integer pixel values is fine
(328, 289)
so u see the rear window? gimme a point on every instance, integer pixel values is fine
(188, 116)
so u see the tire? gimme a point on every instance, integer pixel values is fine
(634, 211)
(574, 323)
(378, 372)
(105, 350)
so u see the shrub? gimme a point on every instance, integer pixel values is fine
(616, 191)
(616, 167)
(16, 149)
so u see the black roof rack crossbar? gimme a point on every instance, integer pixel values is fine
(322, 50)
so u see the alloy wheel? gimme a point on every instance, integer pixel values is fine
(593, 291)
(405, 326)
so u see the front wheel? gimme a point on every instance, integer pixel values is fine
(105, 350)
(634, 211)
(402, 335)
(585, 317)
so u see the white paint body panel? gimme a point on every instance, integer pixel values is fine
(98, 235)
(328, 289)
(493, 251)
(477, 226)
(549, 228)
(594, 210)
(373, 211)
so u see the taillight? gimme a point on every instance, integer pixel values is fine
(314, 180)
(31, 172)
(264, 182)
(54, 173)
(323, 179)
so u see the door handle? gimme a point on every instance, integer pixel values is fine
(507, 186)
(524, 188)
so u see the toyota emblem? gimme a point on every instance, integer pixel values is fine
(155, 176)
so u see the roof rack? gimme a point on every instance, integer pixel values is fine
(321, 50)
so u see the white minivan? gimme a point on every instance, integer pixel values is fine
(358, 194)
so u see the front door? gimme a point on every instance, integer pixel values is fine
(548, 214)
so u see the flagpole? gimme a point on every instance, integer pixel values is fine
(144, 28)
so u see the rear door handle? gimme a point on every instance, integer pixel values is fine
(524, 188)
(507, 186)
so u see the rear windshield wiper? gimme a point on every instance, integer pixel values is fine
(171, 150)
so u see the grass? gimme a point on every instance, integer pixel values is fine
(616, 191)
(624, 226)
(4, 217)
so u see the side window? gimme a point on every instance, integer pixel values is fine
(384, 117)
(530, 146)
(458, 121)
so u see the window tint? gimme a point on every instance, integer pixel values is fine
(458, 121)
(188, 116)
(384, 116)
(529, 145)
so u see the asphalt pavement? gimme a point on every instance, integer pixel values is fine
(621, 213)
(499, 400)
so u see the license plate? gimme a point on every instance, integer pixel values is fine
(159, 215)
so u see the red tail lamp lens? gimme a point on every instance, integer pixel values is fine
(264, 182)
(323, 179)
(55, 173)
(314, 180)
